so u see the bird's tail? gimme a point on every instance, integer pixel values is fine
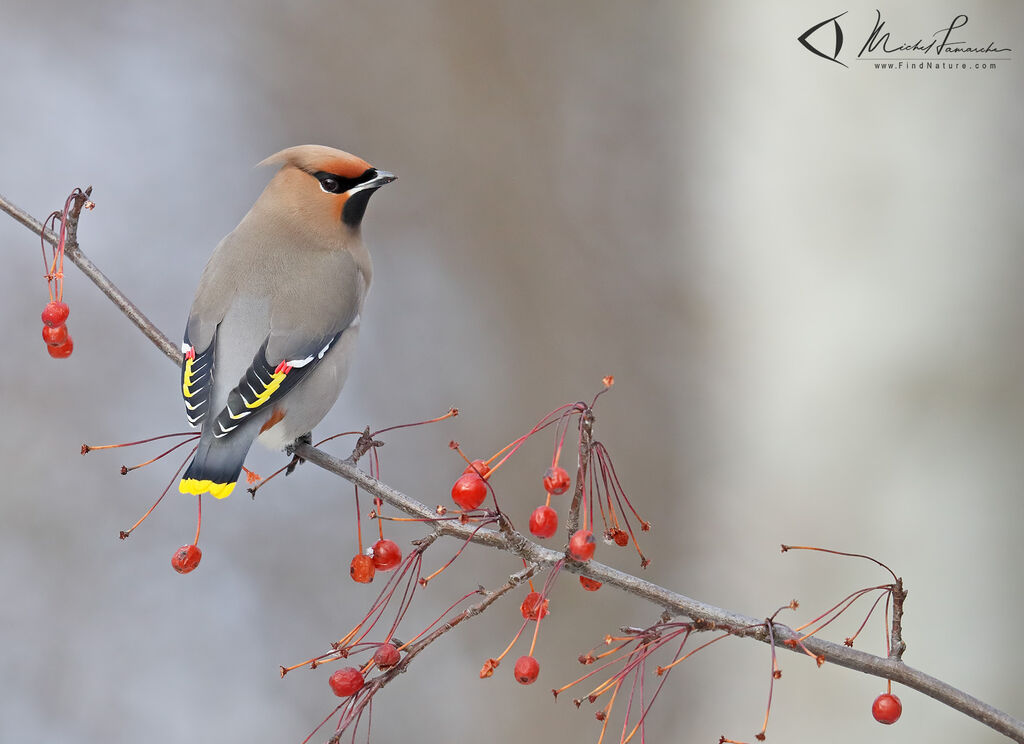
(217, 465)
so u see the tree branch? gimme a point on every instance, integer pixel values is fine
(708, 616)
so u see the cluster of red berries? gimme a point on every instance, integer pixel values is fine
(348, 681)
(544, 519)
(544, 523)
(55, 330)
(470, 491)
(383, 556)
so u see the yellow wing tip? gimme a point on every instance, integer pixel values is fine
(199, 487)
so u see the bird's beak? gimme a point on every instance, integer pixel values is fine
(383, 178)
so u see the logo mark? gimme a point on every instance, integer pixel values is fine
(837, 32)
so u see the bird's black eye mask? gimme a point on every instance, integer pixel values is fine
(332, 183)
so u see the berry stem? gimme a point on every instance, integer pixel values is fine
(87, 448)
(126, 470)
(440, 617)
(338, 435)
(359, 522)
(608, 710)
(849, 641)
(467, 541)
(378, 504)
(545, 422)
(662, 669)
(775, 671)
(515, 638)
(174, 478)
(452, 413)
(536, 629)
(786, 548)
(836, 610)
(199, 520)
(560, 433)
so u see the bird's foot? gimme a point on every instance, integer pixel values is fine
(306, 438)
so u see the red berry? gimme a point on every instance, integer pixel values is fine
(887, 708)
(346, 682)
(362, 569)
(64, 350)
(386, 656)
(55, 335)
(386, 555)
(477, 466)
(55, 314)
(544, 521)
(469, 491)
(186, 558)
(526, 670)
(556, 480)
(582, 545)
(589, 584)
(533, 607)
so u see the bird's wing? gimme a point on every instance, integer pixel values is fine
(268, 380)
(197, 378)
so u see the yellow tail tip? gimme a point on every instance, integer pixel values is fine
(199, 487)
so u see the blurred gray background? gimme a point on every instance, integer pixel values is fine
(806, 279)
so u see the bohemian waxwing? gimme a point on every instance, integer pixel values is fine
(276, 315)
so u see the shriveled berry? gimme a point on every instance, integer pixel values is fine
(544, 521)
(386, 555)
(346, 682)
(556, 480)
(469, 491)
(55, 335)
(589, 584)
(362, 569)
(887, 708)
(582, 545)
(386, 656)
(526, 670)
(487, 670)
(186, 558)
(618, 536)
(55, 314)
(63, 351)
(534, 606)
(477, 466)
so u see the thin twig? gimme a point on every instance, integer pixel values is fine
(896, 643)
(572, 522)
(707, 615)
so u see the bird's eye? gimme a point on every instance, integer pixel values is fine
(330, 185)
